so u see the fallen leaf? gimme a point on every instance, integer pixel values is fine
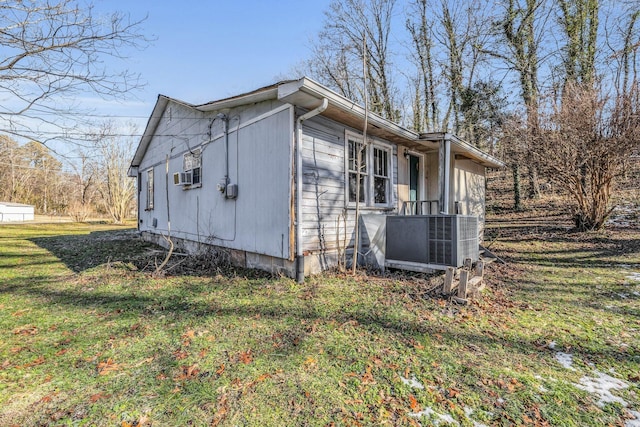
(220, 370)
(108, 366)
(98, 396)
(46, 399)
(189, 372)
(413, 403)
(203, 353)
(38, 361)
(262, 377)
(245, 357)
(367, 378)
(180, 354)
(26, 330)
(61, 352)
(19, 312)
(221, 410)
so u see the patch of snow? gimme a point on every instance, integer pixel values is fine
(634, 276)
(500, 400)
(566, 360)
(625, 266)
(552, 345)
(608, 307)
(468, 411)
(623, 295)
(412, 382)
(635, 422)
(543, 389)
(438, 417)
(601, 385)
(635, 293)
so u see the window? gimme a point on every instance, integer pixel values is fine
(150, 189)
(354, 146)
(375, 172)
(193, 164)
(380, 176)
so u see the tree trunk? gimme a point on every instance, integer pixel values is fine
(517, 202)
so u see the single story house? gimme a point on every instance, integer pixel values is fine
(269, 177)
(10, 212)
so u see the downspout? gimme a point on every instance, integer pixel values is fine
(444, 172)
(298, 137)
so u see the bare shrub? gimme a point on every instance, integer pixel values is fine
(585, 146)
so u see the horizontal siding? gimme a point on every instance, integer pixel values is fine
(323, 196)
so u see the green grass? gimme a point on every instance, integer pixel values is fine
(89, 337)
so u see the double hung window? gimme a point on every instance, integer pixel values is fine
(375, 172)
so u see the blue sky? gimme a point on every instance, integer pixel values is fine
(207, 50)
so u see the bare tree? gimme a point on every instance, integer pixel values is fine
(116, 188)
(338, 52)
(579, 21)
(84, 180)
(55, 49)
(520, 31)
(425, 104)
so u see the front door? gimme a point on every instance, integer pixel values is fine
(414, 179)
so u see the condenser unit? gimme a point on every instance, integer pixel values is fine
(430, 242)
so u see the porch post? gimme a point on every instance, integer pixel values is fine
(444, 163)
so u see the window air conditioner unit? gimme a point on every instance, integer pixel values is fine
(182, 178)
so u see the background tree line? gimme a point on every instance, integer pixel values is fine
(95, 182)
(551, 86)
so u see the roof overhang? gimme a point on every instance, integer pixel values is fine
(150, 130)
(308, 94)
(463, 149)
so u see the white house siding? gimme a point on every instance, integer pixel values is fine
(11, 212)
(326, 229)
(260, 156)
(469, 188)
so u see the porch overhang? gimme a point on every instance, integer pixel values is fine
(462, 149)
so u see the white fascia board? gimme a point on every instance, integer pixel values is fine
(152, 125)
(309, 87)
(461, 146)
(485, 159)
(149, 130)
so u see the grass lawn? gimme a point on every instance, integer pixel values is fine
(89, 337)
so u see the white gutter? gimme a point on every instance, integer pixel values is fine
(298, 136)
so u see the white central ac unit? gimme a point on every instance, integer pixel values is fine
(182, 178)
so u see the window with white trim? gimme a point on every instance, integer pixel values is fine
(381, 180)
(375, 172)
(193, 163)
(150, 189)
